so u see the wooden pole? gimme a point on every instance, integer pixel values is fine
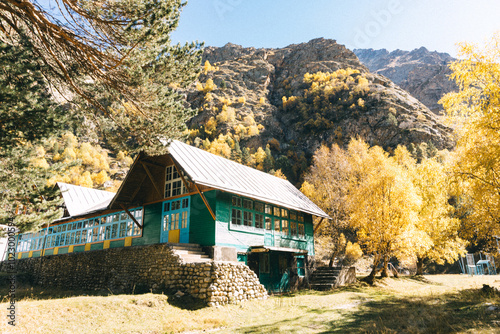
(319, 224)
(131, 216)
(151, 178)
(205, 201)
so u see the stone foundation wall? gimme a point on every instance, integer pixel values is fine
(142, 269)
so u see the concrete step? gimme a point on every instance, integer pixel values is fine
(322, 287)
(186, 251)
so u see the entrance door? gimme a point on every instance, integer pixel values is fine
(175, 226)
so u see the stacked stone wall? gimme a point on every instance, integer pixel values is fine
(141, 269)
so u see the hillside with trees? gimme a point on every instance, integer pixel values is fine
(273, 108)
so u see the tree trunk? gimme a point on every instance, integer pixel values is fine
(332, 259)
(371, 278)
(395, 272)
(385, 272)
(420, 266)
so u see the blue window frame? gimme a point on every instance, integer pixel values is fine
(107, 227)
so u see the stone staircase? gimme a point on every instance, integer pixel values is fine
(327, 278)
(190, 253)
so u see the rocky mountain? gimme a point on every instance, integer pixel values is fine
(422, 73)
(293, 99)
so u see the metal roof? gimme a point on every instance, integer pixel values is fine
(82, 200)
(210, 170)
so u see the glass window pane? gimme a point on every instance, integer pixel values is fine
(247, 218)
(236, 217)
(248, 204)
(259, 221)
(284, 226)
(276, 211)
(269, 223)
(259, 206)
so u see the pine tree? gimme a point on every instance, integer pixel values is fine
(27, 116)
(124, 70)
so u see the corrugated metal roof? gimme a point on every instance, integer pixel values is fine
(81, 200)
(210, 170)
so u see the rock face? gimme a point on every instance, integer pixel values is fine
(391, 116)
(422, 73)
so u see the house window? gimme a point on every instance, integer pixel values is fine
(175, 214)
(269, 223)
(107, 227)
(284, 226)
(247, 218)
(302, 232)
(300, 216)
(247, 204)
(236, 202)
(184, 221)
(236, 217)
(284, 213)
(173, 183)
(269, 209)
(276, 211)
(293, 215)
(259, 221)
(175, 221)
(259, 207)
(293, 229)
(276, 225)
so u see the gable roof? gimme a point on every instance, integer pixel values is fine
(211, 170)
(82, 200)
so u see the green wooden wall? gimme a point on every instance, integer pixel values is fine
(201, 223)
(152, 220)
(242, 238)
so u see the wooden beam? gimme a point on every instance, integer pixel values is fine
(319, 224)
(205, 201)
(131, 216)
(136, 191)
(153, 164)
(151, 178)
(186, 183)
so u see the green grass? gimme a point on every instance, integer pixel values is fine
(434, 304)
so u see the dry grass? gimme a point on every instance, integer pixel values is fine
(435, 304)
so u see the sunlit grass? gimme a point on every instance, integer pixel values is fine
(442, 303)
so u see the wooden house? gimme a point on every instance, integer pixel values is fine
(190, 196)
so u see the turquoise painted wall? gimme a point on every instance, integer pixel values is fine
(202, 225)
(242, 237)
(152, 225)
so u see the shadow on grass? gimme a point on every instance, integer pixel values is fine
(25, 290)
(447, 313)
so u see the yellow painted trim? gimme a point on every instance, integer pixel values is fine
(56, 251)
(105, 245)
(128, 241)
(30, 254)
(43, 253)
(19, 255)
(70, 249)
(174, 236)
(87, 247)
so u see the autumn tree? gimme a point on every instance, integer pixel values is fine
(437, 228)
(326, 184)
(383, 204)
(475, 109)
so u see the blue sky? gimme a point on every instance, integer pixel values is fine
(390, 24)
